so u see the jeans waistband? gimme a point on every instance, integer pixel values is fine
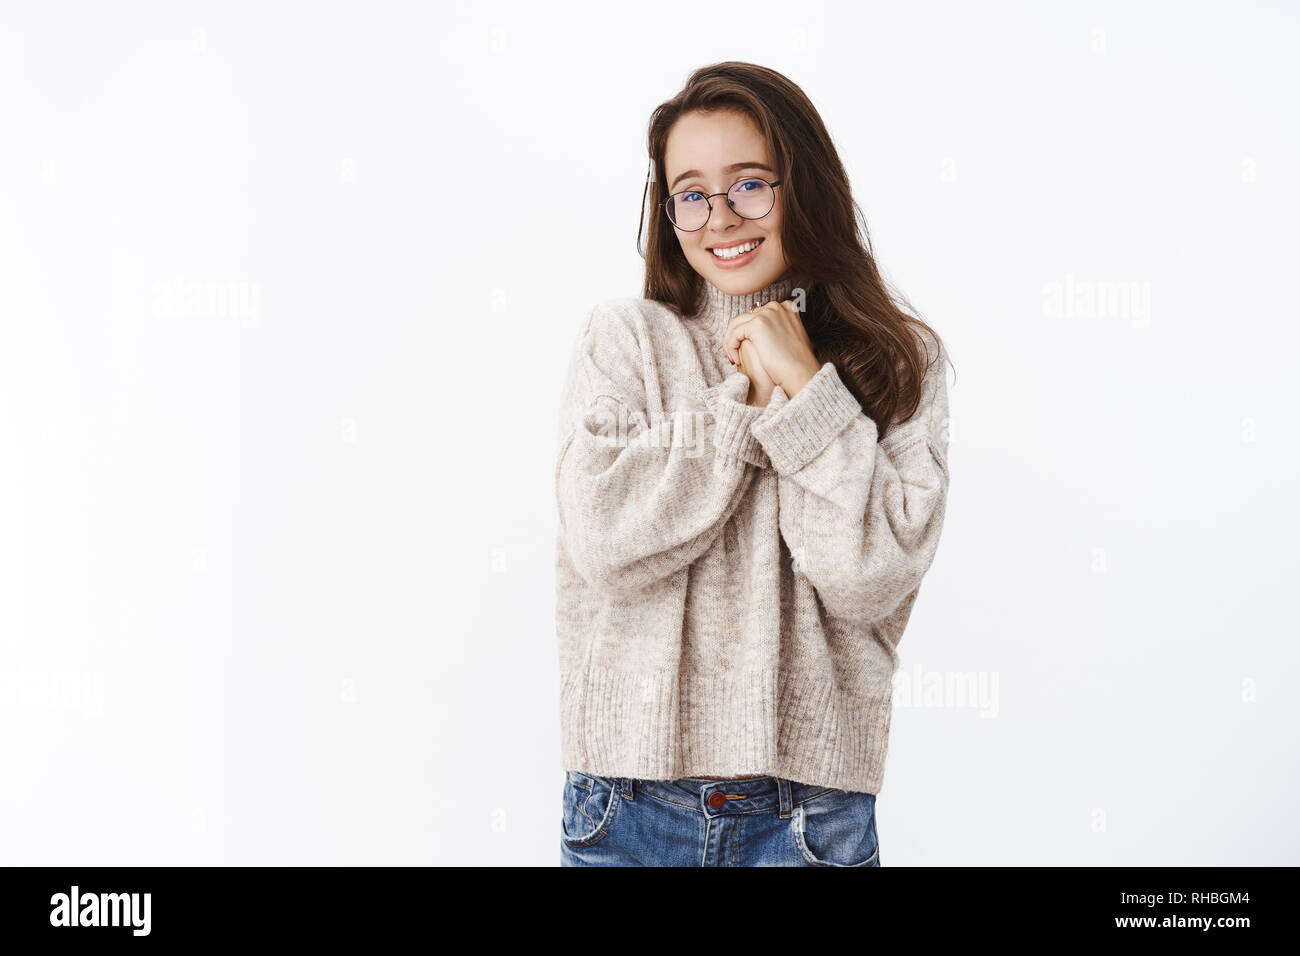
(740, 795)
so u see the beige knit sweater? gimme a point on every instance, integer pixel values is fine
(732, 580)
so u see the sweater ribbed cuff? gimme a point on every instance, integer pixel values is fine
(732, 420)
(794, 431)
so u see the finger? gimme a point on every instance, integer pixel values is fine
(739, 345)
(752, 366)
(744, 352)
(745, 347)
(731, 344)
(734, 333)
(727, 342)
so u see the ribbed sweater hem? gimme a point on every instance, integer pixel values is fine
(659, 726)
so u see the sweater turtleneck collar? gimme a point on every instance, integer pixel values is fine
(716, 308)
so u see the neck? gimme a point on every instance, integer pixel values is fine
(716, 308)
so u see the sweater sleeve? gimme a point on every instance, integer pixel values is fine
(642, 493)
(861, 517)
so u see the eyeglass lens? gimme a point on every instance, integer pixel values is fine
(749, 198)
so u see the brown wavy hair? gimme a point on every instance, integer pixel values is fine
(853, 317)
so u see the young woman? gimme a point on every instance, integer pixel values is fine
(751, 481)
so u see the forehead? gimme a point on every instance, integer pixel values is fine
(710, 141)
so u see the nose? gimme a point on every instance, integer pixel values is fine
(722, 218)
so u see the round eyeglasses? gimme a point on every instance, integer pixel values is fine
(690, 209)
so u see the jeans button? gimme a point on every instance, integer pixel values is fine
(716, 799)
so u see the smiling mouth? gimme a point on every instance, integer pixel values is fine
(736, 251)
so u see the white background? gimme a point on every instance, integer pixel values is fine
(287, 294)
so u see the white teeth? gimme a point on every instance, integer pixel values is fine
(736, 250)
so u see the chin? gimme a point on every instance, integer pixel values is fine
(739, 281)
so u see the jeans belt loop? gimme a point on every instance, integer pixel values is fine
(783, 790)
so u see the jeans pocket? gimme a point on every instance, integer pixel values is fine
(590, 806)
(837, 828)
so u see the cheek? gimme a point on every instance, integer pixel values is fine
(777, 251)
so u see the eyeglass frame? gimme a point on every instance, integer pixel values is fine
(771, 183)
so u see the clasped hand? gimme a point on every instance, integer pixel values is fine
(770, 345)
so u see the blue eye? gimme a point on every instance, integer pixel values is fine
(752, 183)
(691, 197)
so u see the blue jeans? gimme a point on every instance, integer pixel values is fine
(760, 821)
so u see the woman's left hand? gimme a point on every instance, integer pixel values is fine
(776, 331)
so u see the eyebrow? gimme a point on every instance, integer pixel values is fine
(734, 167)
